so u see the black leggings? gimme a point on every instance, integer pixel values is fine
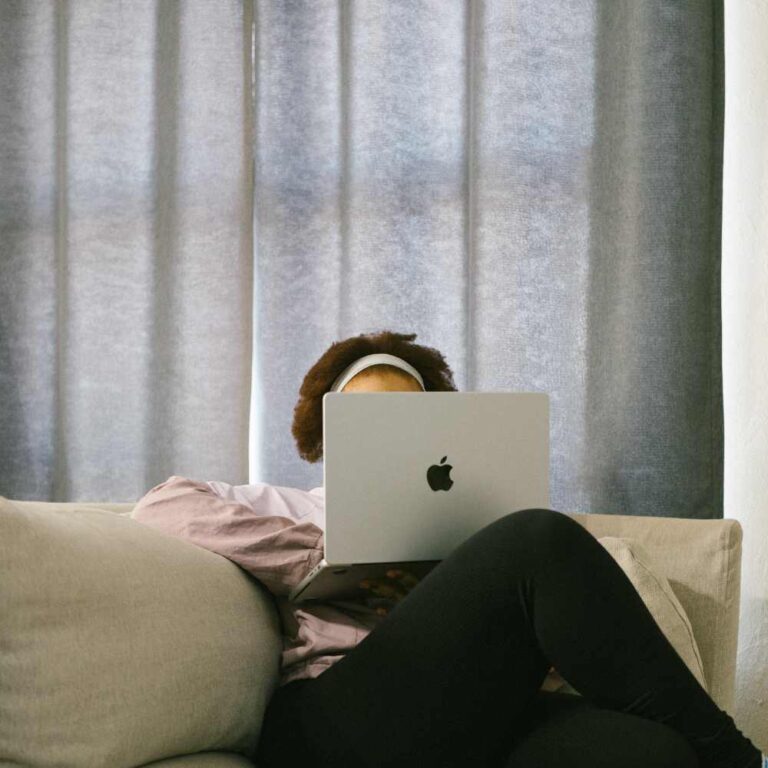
(451, 676)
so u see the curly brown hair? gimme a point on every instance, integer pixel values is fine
(307, 425)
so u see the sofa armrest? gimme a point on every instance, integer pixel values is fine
(121, 645)
(701, 558)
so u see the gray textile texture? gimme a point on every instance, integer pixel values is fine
(533, 187)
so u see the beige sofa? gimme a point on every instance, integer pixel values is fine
(121, 646)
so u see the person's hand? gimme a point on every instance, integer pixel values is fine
(393, 588)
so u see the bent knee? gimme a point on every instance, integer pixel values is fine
(537, 522)
(527, 537)
(537, 530)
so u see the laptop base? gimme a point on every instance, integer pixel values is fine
(341, 582)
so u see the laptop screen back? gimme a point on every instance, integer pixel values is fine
(410, 475)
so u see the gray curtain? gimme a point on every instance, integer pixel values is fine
(531, 187)
(125, 246)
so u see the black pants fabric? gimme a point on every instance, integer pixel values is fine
(451, 676)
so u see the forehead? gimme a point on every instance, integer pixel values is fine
(383, 375)
(383, 371)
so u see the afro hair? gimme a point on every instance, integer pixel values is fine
(307, 427)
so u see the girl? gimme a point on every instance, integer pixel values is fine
(459, 669)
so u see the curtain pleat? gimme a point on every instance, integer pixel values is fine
(654, 430)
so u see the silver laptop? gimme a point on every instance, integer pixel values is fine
(409, 476)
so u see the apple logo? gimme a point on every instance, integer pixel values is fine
(438, 476)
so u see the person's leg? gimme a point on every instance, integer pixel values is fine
(445, 677)
(565, 730)
(617, 656)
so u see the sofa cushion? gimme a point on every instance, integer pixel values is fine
(659, 598)
(120, 645)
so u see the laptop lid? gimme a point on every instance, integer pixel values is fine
(410, 475)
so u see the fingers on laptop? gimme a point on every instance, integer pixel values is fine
(382, 588)
(381, 605)
(406, 578)
(396, 586)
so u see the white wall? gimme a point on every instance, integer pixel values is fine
(745, 342)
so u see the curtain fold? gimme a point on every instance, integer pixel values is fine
(197, 199)
(653, 389)
(126, 248)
